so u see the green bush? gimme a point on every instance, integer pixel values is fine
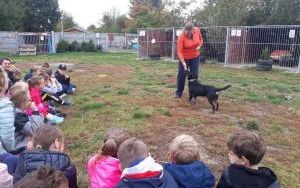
(265, 54)
(62, 46)
(252, 125)
(84, 47)
(91, 46)
(74, 46)
(99, 48)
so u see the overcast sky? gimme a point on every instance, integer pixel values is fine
(87, 12)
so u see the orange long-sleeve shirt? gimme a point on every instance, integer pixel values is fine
(186, 48)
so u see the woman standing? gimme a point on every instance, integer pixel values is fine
(188, 46)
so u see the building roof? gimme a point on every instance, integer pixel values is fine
(76, 29)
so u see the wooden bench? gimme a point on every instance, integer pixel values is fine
(27, 49)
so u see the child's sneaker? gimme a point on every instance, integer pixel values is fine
(56, 119)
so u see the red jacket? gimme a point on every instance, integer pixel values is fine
(36, 97)
(186, 48)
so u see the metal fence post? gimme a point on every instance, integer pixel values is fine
(227, 45)
(147, 40)
(173, 44)
(299, 64)
(53, 42)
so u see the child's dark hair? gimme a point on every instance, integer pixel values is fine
(49, 71)
(113, 138)
(46, 65)
(248, 144)
(45, 136)
(34, 81)
(44, 177)
(45, 76)
(17, 75)
(4, 59)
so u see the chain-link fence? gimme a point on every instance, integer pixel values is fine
(234, 46)
(15, 42)
(108, 41)
(245, 45)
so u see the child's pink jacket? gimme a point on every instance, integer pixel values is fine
(35, 94)
(104, 172)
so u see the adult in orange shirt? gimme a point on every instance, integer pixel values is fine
(188, 46)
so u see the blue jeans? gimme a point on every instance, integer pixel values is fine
(10, 160)
(193, 66)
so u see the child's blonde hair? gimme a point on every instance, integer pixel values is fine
(19, 93)
(184, 149)
(3, 81)
(113, 138)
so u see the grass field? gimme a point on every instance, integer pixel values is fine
(116, 90)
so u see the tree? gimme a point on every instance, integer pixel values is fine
(11, 15)
(112, 22)
(285, 12)
(92, 28)
(68, 22)
(41, 15)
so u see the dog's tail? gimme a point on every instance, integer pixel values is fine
(223, 88)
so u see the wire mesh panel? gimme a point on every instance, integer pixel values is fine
(155, 43)
(245, 45)
(163, 42)
(41, 41)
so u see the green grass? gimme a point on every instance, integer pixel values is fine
(143, 97)
(252, 125)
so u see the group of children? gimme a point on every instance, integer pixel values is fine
(28, 113)
(125, 162)
(32, 150)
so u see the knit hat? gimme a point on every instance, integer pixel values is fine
(6, 180)
(62, 67)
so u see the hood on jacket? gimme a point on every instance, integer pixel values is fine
(164, 180)
(147, 174)
(193, 175)
(241, 176)
(31, 160)
(104, 172)
(4, 102)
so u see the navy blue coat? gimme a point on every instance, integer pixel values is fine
(193, 175)
(30, 161)
(165, 180)
(236, 176)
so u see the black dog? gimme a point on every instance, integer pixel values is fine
(197, 89)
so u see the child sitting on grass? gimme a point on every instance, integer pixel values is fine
(104, 168)
(24, 125)
(246, 150)
(65, 80)
(50, 91)
(186, 167)
(44, 177)
(48, 150)
(35, 84)
(33, 71)
(139, 169)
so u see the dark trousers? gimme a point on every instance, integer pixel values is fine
(193, 66)
(67, 88)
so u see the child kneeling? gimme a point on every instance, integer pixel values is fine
(104, 168)
(246, 150)
(140, 169)
(186, 167)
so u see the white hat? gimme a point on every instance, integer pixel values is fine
(6, 180)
